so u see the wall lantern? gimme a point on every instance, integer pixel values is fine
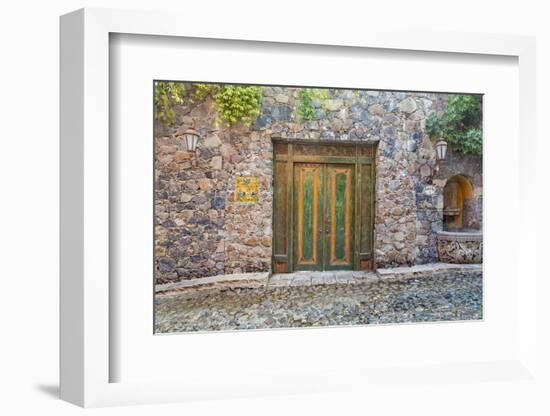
(441, 150)
(191, 139)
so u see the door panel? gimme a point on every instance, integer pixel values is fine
(339, 217)
(366, 209)
(308, 203)
(280, 207)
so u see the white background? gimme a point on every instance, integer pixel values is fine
(29, 172)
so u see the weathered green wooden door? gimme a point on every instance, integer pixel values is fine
(339, 217)
(309, 194)
(323, 204)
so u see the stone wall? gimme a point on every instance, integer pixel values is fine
(201, 230)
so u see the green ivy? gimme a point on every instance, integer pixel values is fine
(201, 91)
(233, 102)
(238, 103)
(306, 97)
(167, 95)
(459, 125)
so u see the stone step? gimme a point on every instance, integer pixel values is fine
(426, 269)
(306, 278)
(222, 280)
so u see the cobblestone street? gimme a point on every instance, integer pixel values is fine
(444, 296)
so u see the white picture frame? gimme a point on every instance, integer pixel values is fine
(85, 212)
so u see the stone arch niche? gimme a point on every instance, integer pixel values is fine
(458, 204)
(461, 240)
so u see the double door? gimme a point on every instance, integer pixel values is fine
(324, 202)
(323, 206)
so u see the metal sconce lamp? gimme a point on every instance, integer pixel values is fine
(441, 150)
(440, 153)
(191, 137)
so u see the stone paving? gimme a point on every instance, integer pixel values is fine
(326, 299)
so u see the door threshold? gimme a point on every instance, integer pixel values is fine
(307, 278)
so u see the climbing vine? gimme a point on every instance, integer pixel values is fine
(168, 95)
(460, 124)
(238, 103)
(307, 98)
(233, 102)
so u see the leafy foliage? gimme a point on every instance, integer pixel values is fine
(238, 103)
(471, 142)
(233, 102)
(201, 91)
(167, 95)
(434, 125)
(460, 124)
(306, 99)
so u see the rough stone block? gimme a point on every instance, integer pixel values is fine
(408, 105)
(216, 162)
(334, 105)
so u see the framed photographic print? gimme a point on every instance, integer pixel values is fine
(272, 214)
(280, 207)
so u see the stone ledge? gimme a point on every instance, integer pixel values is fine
(305, 278)
(218, 281)
(429, 269)
(212, 284)
(460, 235)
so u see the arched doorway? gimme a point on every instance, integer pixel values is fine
(458, 196)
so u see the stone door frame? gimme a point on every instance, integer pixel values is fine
(287, 152)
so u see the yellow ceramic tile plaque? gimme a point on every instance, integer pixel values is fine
(247, 189)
